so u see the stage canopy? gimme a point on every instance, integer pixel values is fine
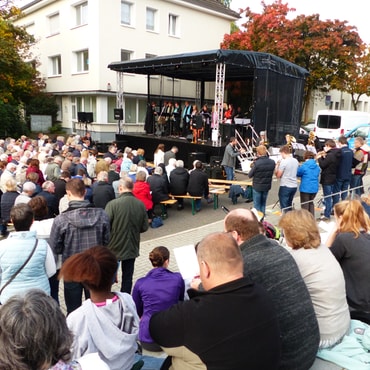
(277, 84)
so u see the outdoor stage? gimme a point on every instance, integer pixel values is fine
(188, 151)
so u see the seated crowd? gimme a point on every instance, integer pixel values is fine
(256, 304)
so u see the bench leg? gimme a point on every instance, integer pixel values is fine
(215, 201)
(164, 211)
(193, 207)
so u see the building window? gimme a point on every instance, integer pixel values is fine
(81, 14)
(173, 26)
(126, 13)
(126, 55)
(151, 19)
(82, 60)
(55, 65)
(53, 24)
(148, 55)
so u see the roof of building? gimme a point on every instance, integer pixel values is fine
(201, 66)
(214, 5)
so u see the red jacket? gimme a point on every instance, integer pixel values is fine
(142, 192)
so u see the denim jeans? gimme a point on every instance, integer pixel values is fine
(356, 181)
(229, 172)
(259, 200)
(342, 187)
(286, 196)
(73, 295)
(328, 190)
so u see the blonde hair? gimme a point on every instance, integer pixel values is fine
(261, 150)
(300, 229)
(353, 219)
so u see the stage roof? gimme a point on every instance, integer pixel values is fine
(201, 66)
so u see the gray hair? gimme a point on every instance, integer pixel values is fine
(179, 163)
(126, 183)
(158, 171)
(33, 332)
(102, 176)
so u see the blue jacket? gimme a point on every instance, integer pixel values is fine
(344, 170)
(13, 252)
(309, 172)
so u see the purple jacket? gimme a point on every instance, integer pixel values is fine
(157, 291)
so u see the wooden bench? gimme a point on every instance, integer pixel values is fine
(164, 205)
(229, 182)
(216, 192)
(219, 185)
(188, 196)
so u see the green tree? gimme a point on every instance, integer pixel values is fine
(19, 79)
(327, 49)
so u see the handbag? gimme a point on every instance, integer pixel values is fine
(20, 269)
(156, 222)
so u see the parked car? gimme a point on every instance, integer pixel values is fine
(309, 126)
(303, 135)
(360, 130)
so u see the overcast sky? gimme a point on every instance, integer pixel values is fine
(353, 11)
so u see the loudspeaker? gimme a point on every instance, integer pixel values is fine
(81, 116)
(215, 160)
(118, 113)
(89, 117)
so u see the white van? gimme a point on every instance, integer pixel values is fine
(330, 124)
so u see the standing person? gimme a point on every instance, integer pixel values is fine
(6, 204)
(151, 113)
(159, 155)
(128, 218)
(170, 154)
(25, 261)
(48, 190)
(142, 192)
(360, 159)
(322, 274)
(149, 299)
(53, 169)
(344, 171)
(186, 115)
(349, 242)
(228, 324)
(102, 191)
(261, 172)
(229, 158)
(75, 230)
(107, 322)
(309, 173)
(206, 115)
(274, 268)
(286, 171)
(329, 160)
(177, 119)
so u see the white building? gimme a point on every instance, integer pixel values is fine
(335, 99)
(76, 40)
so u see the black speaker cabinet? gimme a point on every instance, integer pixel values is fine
(81, 116)
(118, 113)
(89, 117)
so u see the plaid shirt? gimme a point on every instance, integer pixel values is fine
(79, 229)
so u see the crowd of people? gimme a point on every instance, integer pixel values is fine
(252, 293)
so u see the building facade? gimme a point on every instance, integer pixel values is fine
(76, 40)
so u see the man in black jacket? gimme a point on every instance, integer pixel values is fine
(231, 324)
(261, 172)
(198, 185)
(179, 179)
(329, 160)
